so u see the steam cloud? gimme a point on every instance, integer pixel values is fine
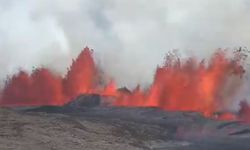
(129, 37)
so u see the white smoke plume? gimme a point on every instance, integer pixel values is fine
(129, 37)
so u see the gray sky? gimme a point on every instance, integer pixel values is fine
(130, 37)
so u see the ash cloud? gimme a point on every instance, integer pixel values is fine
(129, 37)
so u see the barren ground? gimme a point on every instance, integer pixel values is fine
(79, 126)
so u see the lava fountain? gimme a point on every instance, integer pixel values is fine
(178, 85)
(190, 85)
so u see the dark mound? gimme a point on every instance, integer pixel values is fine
(124, 90)
(83, 101)
(78, 104)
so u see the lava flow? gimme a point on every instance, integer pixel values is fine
(178, 85)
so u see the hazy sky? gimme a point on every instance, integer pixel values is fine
(130, 37)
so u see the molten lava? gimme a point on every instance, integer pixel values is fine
(42, 87)
(188, 85)
(178, 85)
(82, 75)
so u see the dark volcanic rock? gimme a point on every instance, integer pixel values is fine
(82, 101)
(124, 90)
(47, 109)
(78, 104)
(87, 123)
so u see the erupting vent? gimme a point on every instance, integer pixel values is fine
(178, 85)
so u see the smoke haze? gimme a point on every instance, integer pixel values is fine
(129, 37)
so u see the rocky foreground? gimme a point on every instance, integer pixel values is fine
(88, 124)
